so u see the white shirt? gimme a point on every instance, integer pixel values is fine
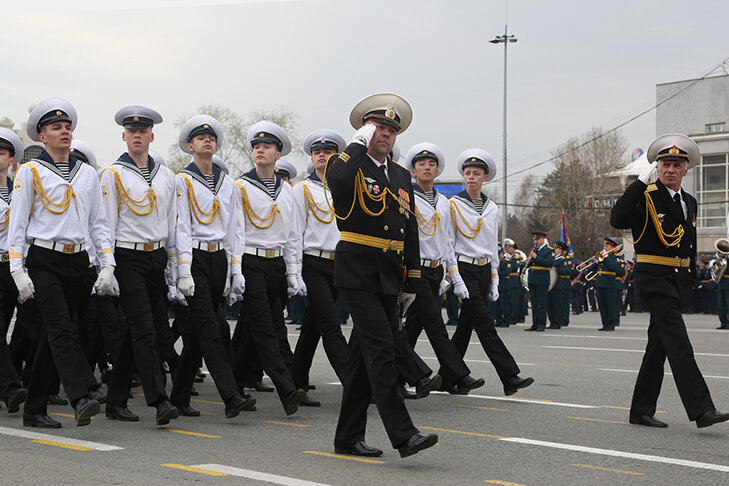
(435, 232)
(5, 218)
(484, 241)
(316, 223)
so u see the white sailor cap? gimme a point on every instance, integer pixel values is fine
(197, 125)
(268, 131)
(479, 158)
(310, 168)
(286, 168)
(50, 110)
(508, 242)
(158, 159)
(11, 141)
(387, 108)
(221, 164)
(137, 116)
(324, 139)
(425, 150)
(82, 151)
(674, 146)
(395, 153)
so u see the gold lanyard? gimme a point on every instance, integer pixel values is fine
(425, 225)
(52, 206)
(474, 231)
(251, 214)
(196, 209)
(662, 235)
(314, 207)
(141, 207)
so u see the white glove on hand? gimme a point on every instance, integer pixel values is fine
(233, 297)
(444, 284)
(238, 285)
(226, 289)
(364, 134)
(459, 287)
(293, 285)
(186, 285)
(180, 299)
(171, 273)
(405, 299)
(494, 291)
(172, 293)
(112, 289)
(104, 279)
(302, 286)
(645, 175)
(24, 284)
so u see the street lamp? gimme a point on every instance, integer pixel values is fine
(504, 39)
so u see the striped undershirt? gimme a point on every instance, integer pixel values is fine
(210, 179)
(430, 196)
(145, 173)
(271, 186)
(63, 167)
(5, 192)
(478, 204)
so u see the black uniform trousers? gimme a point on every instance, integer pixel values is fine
(607, 302)
(372, 370)
(9, 379)
(554, 307)
(24, 341)
(164, 337)
(141, 281)
(261, 313)
(425, 313)
(61, 284)
(539, 296)
(203, 340)
(320, 320)
(475, 314)
(516, 303)
(109, 316)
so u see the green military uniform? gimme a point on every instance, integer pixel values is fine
(606, 288)
(503, 318)
(539, 284)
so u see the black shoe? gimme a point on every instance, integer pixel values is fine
(606, 329)
(292, 401)
(311, 387)
(468, 383)
(723, 327)
(188, 411)
(515, 383)
(710, 418)
(166, 412)
(309, 402)
(194, 392)
(417, 443)
(259, 386)
(56, 400)
(135, 381)
(405, 393)
(199, 376)
(530, 329)
(647, 420)
(539, 329)
(40, 420)
(95, 394)
(427, 385)
(85, 409)
(13, 401)
(237, 404)
(359, 449)
(554, 327)
(120, 413)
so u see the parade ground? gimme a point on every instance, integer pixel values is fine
(569, 427)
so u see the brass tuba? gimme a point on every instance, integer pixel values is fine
(722, 251)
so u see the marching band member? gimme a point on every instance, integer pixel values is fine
(606, 285)
(539, 262)
(560, 293)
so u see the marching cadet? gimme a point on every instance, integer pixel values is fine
(663, 215)
(559, 296)
(539, 262)
(267, 236)
(475, 222)
(56, 204)
(377, 267)
(606, 285)
(11, 389)
(426, 162)
(286, 171)
(502, 303)
(207, 220)
(139, 197)
(317, 237)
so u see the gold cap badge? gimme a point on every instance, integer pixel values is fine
(206, 126)
(261, 134)
(673, 150)
(136, 118)
(390, 113)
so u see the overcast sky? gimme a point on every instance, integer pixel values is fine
(577, 64)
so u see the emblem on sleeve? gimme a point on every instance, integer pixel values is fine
(104, 191)
(18, 185)
(179, 193)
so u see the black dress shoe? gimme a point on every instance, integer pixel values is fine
(194, 392)
(84, 409)
(606, 329)
(120, 413)
(710, 418)
(237, 404)
(405, 393)
(56, 400)
(539, 329)
(188, 411)
(723, 327)
(417, 443)
(468, 383)
(259, 386)
(554, 327)
(166, 412)
(40, 420)
(95, 394)
(292, 401)
(530, 329)
(646, 420)
(515, 382)
(427, 385)
(311, 387)
(13, 401)
(309, 402)
(359, 449)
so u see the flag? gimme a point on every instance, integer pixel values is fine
(564, 234)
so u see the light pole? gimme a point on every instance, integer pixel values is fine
(504, 39)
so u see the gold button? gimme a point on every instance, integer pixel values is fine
(402, 231)
(386, 228)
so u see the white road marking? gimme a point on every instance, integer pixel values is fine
(719, 355)
(55, 438)
(433, 358)
(666, 373)
(596, 337)
(259, 476)
(522, 400)
(627, 455)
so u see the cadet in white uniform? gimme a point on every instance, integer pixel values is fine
(140, 201)
(56, 205)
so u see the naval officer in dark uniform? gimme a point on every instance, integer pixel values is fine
(666, 251)
(377, 269)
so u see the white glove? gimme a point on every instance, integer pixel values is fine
(104, 279)
(645, 175)
(24, 284)
(170, 279)
(112, 289)
(172, 293)
(364, 134)
(444, 284)
(405, 299)
(233, 297)
(226, 289)
(494, 291)
(293, 285)
(238, 285)
(186, 285)
(180, 299)
(459, 287)
(302, 286)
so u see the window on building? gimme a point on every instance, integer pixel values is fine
(716, 127)
(713, 194)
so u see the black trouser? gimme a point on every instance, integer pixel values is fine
(474, 314)
(209, 271)
(141, 281)
(107, 308)
(372, 370)
(261, 314)
(320, 320)
(9, 379)
(554, 307)
(516, 302)
(164, 337)
(425, 312)
(539, 295)
(61, 284)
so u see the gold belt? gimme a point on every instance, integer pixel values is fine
(667, 261)
(373, 241)
(605, 272)
(4, 257)
(539, 268)
(564, 276)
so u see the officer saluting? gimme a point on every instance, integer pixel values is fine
(377, 264)
(662, 217)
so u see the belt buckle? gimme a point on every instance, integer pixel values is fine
(480, 262)
(212, 247)
(69, 249)
(434, 264)
(270, 253)
(392, 245)
(149, 247)
(5, 257)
